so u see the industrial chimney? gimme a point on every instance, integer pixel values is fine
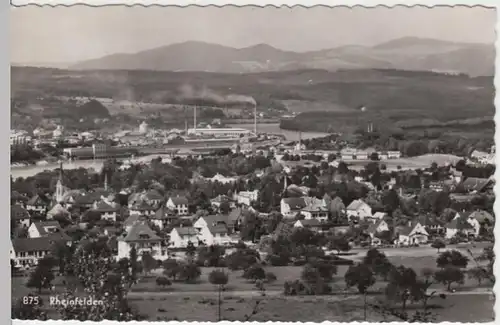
(255, 119)
(194, 126)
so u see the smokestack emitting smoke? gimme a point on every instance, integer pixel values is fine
(194, 122)
(255, 119)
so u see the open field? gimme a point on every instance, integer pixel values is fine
(463, 308)
(418, 162)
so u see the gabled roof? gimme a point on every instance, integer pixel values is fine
(310, 223)
(103, 206)
(140, 231)
(459, 224)
(179, 200)
(475, 183)
(295, 203)
(57, 234)
(161, 213)
(39, 200)
(132, 219)
(356, 205)
(379, 215)
(372, 228)
(17, 212)
(87, 199)
(142, 206)
(58, 210)
(153, 195)
(482, 216)
(186, 231)
(32, 244)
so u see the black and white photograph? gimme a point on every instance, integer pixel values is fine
(252, 164)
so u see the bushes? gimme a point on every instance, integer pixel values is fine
(163, 281)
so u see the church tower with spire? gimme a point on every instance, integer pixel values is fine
(105, 181)
(59, 185)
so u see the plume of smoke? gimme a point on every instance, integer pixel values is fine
(190, 95)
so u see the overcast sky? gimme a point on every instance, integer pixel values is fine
(79, 33)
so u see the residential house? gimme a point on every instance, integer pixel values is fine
(220, 199)
(289, 207)
(49, 229)
(358, 209)
(246, 197)
(179, 204)
(312, 224)
(315, 211)
(483, 217)
(20, 215)
(376, 228)
(180, 237)
(214, 229)
(377, 216)
(28, 251)
(460, 226)
(153, 197)
(144, 239)
(223, 179)
(38, 203)
(432, 225)
(142, 208)
(476, 184)
(413, 234)
(58, 210)
(107, 210)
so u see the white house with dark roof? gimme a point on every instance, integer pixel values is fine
(20, 215)
(214, 229)
(377, 227)
(246, 197)
(358, 209)
(316, 210)
(28, 251)
(142, 208)
(179, 204)
(48, 229)
(312, 224)
(464, 223)
(38, 203)
(144, 239)
(180, 237)
(107, 210)
(413, 234)
(289, 207)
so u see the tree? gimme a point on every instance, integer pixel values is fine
(171, 268)
(339, 243)
(448, 275)
(148, 263)
(402, 282)
(242, 259)
(190, 250)
(211, 255)
(478, 273)
(452, 258)
(220, 279)
(270, 277)
(163, 281)
(438, 243)
(254, 272)
(42, 276)
(378, 262)
(361, 276)
(189, 272)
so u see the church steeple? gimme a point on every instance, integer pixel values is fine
(105, 181)
(59, 185)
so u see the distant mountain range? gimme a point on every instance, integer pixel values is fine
(409, 53)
